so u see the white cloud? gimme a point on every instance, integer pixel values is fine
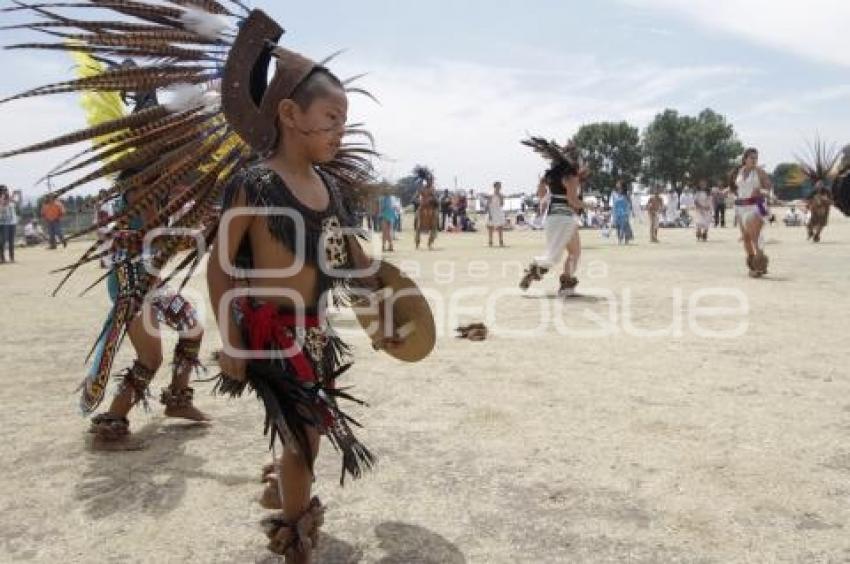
(800, 102)
(31, 121)
(814, 29)
(466, 120)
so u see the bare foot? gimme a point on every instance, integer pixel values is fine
(189, 412)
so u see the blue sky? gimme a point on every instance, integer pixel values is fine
(461, 82)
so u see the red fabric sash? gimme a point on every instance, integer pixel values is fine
(267, 325)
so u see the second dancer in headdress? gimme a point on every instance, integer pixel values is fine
(563, 180)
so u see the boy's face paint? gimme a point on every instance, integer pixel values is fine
(320, 128)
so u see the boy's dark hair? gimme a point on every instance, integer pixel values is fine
(555, 175)
(319, 83)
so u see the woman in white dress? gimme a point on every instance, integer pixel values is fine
(750, 185)
(704, 211)
(672, 212)
(496, 214)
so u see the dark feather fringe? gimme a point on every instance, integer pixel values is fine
(226, 386)
(290, 408)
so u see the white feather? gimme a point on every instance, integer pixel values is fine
(184, 97)
(211, 26)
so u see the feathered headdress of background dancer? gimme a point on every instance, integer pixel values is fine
(423, 175)
(820, 165)
(210, 58)
(558, 155)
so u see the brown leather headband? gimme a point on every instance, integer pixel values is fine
(250, 103)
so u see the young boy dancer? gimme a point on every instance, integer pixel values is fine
(275, 151)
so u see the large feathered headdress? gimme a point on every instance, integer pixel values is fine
(568, 155)
(210, 61)
(423, 175)
(819, 165)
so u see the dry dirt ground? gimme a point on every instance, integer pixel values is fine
(629, 424)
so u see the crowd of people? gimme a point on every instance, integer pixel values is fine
(702, 207)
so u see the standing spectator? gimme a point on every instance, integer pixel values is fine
(496, 214)
(462, 203)
(703, 215)
(52, 211)
(8, 223)
(621, 210)
(718, 200)
(388, 219)
(375, 212)
(399, 211)
(654, 208)
(445, 209)
(686, 202)
(637, 211)
(455, 209)
(672, 206)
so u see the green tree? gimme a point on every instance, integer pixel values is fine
(680, 149)
(666, 149)
(612, 151)
(784, 189)
(714, 147)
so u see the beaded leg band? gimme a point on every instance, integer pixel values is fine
(296, 541)
(170, 397)
(568, 282)
(186, 354)
(110, 427)
(136, 380)
(532, 273)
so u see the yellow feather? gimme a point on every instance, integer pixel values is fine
(100, 107)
